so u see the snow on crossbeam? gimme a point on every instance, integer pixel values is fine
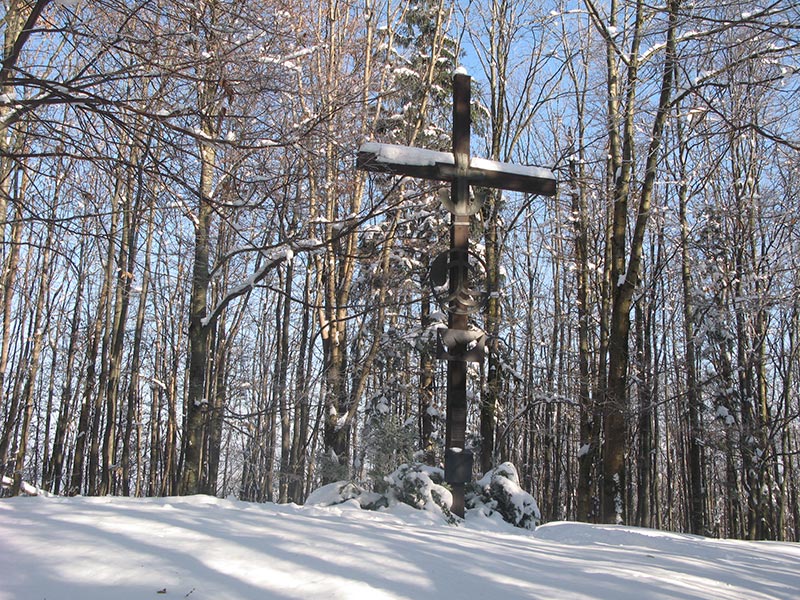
(440, 166)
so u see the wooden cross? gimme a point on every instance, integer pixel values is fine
(461, 171)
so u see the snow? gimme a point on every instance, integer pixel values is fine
(501, 486)
(25, 487)
(405, 72)
(205, 548)
(307, 244)
(406, 155)
(288, 61)
(394, 154)
(331, 494)
(724, 414)
(511, 168)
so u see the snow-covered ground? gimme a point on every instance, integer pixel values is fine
(204, 548)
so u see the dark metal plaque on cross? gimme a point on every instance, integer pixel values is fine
(461, 171)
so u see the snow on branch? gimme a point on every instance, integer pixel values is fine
(278, 257)
(25, 487)
(608, 32)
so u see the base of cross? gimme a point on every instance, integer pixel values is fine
(458, 472)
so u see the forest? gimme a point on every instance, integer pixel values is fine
(202, 294)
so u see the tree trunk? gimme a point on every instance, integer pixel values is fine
(125, 261)
(37, 337)
(624, 280)
(283, 316)
(302, 408)
(134, 399)
(426, 407)
(92, 403)
(8, 279)
(196, 402)
(491, 393)
(697, 485)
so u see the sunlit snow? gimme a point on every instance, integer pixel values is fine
(204, 548)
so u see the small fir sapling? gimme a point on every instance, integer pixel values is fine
(421, 487)
(499, 492)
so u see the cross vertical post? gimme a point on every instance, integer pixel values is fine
(458, 319)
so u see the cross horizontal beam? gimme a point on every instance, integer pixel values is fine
(440, 166)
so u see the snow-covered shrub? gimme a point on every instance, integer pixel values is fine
(340, 492)
(330, 468)
(422, 487)
(389, 441)
(499, 492)
(334, 493)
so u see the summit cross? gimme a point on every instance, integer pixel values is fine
(461, 171)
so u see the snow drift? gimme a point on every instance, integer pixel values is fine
(205, 548)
